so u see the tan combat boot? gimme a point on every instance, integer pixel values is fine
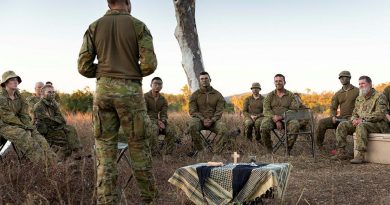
(340, 155)
(359, 158)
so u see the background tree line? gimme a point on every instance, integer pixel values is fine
(81, 100)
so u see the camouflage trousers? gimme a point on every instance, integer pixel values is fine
(362, 131)
(268, 125)
(120, 102)
(31, 143)
(219, 128)
(323, 125)
(169, 138)
(66, 138)
(249, 124)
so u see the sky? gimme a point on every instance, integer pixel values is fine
(242, 42)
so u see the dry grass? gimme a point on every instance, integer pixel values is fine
(320, 181)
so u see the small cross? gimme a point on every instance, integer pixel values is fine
(235, 156)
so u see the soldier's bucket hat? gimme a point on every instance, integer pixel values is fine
(344, 73)
(8, 75)
(256, 85)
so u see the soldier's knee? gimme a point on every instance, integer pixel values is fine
(248, 123)
(195, 124)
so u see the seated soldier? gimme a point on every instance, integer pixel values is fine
(157, 107)
(345, 99)
(206, 108)
(275, 104)
(15, 123)
(368, 117)
(52, 125)
(253, 112)
(36, 97)
(386, 92)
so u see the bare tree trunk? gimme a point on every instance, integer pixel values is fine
(187, 37)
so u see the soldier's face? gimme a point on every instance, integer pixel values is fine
(204, 81)
(364, 87)
(38, 89)
(279, 82)
(156, 86)
(12, 83)
(255, 91)
(49, 94)
(344, 80)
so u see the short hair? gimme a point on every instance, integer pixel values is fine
(204, 73)
(113, 2)
(280, 75)
(155, 78)
(46, 87)
(366, 78)
(49, 83)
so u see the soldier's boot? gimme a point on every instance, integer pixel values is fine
(359, 158)
(248, 133)
(258, 137)
(340, 155)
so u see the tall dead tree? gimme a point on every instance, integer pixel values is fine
(187, 36)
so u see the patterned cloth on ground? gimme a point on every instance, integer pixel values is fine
(218, 187)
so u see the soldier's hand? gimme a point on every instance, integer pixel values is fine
(334, 120)
(277, 118)
(356, 122)
(161, 125)
(254, 117)
(207, 123)
(279, 125)
(388, 117)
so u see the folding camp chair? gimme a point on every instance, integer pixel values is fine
(5, 144)
(122, 148)
(305, 116)
(208, 139)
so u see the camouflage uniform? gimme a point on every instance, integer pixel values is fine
(386, 92)
(31, 101)
(15, 126)
(275, 105)
(207, 104)
(158, 110)
(122, 62)
(372, 111)
(52, 125)
(253, 106)
(346, 100)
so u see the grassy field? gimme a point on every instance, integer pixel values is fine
(320, 181)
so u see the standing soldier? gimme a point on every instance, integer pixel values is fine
(345, 99)
(52, 125)
(368, 117)
(253, 112)
(275, 104)
(15, 123)
(36, 97)
(157, 107)
(124, 49)
(206, 108)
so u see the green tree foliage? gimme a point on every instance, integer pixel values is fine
(78, 101)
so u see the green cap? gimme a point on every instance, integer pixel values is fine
(8, 75)
(344, 74)
(256, 85)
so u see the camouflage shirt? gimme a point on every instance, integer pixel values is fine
(14, 112)
(123, 46)
(275, 105)
(346, 100)
(371, 108)
(157, 107)
(386, 92)
(48, 113)
(31, 101)
(207, 104)
(253, 106)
